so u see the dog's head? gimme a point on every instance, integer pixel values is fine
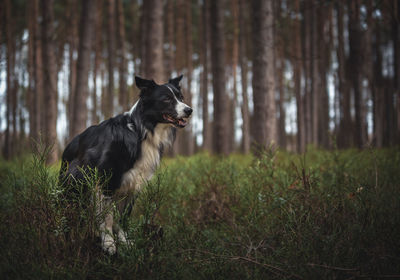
(163, 103)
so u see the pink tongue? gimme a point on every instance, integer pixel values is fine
(182, 122)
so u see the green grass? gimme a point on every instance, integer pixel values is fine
(323, 215)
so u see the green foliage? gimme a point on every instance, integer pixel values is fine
(322, 215)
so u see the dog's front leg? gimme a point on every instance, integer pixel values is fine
(107, 240)
(103, 207)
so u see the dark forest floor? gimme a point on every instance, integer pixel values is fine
(325, 215)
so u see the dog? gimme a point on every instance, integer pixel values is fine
(128, 147)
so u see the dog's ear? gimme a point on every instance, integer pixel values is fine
(143, 83)
(175, 81)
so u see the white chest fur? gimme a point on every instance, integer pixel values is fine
(144, 168)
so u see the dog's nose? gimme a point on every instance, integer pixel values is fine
(188, 111)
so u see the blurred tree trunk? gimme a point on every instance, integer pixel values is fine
(265, 129)
(170, 14)
(50, 80)
(396, 61)
(72, 16)
(345, 137)
(235, 61)
(243, 9)
(379, 115)
(355, 37)
(180, 58)
(188, 136)
(123, 91)
(109, 106)
(221, 111)
(35, 68)
(204, 61)
(324, 32)
(9, 24)
(279, 68)
(306, 46)
(98, 46)
(315, 75)
(368, 62)
(31, 66)
(301, 136)
(135, 36)
(80, 112)
(154, 68)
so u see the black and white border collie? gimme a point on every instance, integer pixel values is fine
(128, 147)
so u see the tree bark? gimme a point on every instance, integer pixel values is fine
(80, 112)
(109, 106)
(170, 38)
(345, 137)
(315, 75)
(97, 58)
(396, 61)
(204, 61)
(301, 136)
(243, 73)
(7, 150)
(221, 111)
(189, 139)
(355, 36)
(235, 62)
(279, 68)
(307, 24)
(31, 67)
(72, 15)
(123, 91)
(154, 41)
(50, 80)
(263, 74)
(324, 44)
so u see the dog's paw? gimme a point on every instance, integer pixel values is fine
(108, 244)
(122, 236)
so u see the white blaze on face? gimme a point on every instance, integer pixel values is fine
(180, 106)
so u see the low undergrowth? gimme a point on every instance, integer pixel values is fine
(323, 215)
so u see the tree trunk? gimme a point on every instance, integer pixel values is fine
(315, 75)
(279, 68)
(345, 137)
(111, 59)
(355, 36)
(204, 61)
(307, 24)
(80, 112)
(243, 72)
(50, 80)
(170, 14)
(221, 111)
(301, 136)
(396, 61)
(324, 44)
(263, 74)
(188, 136)
(97, 58)
(7, 152)
(32, 95)
(123, 91)
(235, 62)
(72, 15)
(154, 41)
(180, 59)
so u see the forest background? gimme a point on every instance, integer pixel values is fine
(289, 73)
